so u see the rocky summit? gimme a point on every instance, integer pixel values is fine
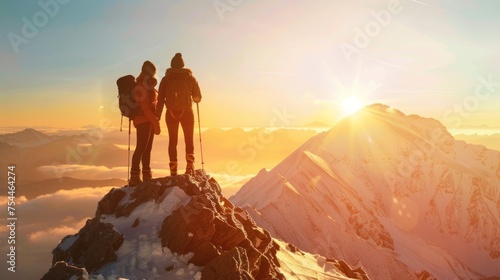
(182, 227)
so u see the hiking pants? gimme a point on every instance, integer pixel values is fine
(186, 119)
(145, 135)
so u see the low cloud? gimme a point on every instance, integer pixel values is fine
(19, 200)
(44, 221)
(54, 235)
(230, 184)
(86, 172)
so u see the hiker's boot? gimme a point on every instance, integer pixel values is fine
(190, 164)
(173, 168)
(147, 175)
(190, 169)
(135, 179)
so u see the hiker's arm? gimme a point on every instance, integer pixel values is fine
(196, 92)
(145, 103)
(161, 99)
(150, 114)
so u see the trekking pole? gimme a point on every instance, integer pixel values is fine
(199, 131)
(128, 158)
(121, 124)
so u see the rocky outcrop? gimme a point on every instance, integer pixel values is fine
(424, 275)
(62, 271)
(91, 248)
(186, 217)
(349, 272)
(222, 237)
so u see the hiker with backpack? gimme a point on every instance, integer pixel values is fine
(145, 122)
(178, 90)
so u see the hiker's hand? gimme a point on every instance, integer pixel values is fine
(156, 128)
(196, 99)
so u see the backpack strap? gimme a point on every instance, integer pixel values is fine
(177, 118)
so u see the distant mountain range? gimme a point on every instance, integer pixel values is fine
(245, 152)
(26, 138)
(394, 193)
(489, 141)
(29, 149)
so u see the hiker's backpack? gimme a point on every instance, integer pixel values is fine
(178, 95)
(126, 99)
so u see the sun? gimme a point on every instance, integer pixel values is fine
(351, 105)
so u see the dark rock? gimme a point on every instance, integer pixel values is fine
(170, 267)
(109, 202)
(94, 246)
(232, 264)
(292, 248)
(187, 228)
(204, 253)
(424, 275)
(267, 270)
(62, 271)
(226, 235)
(136, 223)
(351, 273)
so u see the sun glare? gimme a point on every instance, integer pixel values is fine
(351, 104)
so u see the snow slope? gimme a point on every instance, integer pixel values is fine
(396, 194)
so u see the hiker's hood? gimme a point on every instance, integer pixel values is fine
(178, 73)
(143, 77)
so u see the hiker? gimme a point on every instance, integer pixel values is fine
(145, 122)
(178, 90)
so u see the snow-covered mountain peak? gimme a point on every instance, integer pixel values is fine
(28, 137)
(181, 227)
(394, 192)
(380, 127)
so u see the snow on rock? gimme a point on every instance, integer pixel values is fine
(62, 270)
(393, 193)
(181, 227)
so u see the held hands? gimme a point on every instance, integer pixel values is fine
(156, 128)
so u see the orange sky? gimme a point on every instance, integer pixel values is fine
(256, 61)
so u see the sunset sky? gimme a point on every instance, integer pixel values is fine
(259, 63)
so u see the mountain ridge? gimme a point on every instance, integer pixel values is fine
(28, 137)
(380, 175)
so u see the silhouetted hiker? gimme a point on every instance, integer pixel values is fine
(178, 90)
(145, 122)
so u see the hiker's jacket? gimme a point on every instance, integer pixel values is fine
(146, 97)
(177, 74)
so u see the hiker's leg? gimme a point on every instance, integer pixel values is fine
(187, 123)
(141, 143)
(146, 157)
(173, 133)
